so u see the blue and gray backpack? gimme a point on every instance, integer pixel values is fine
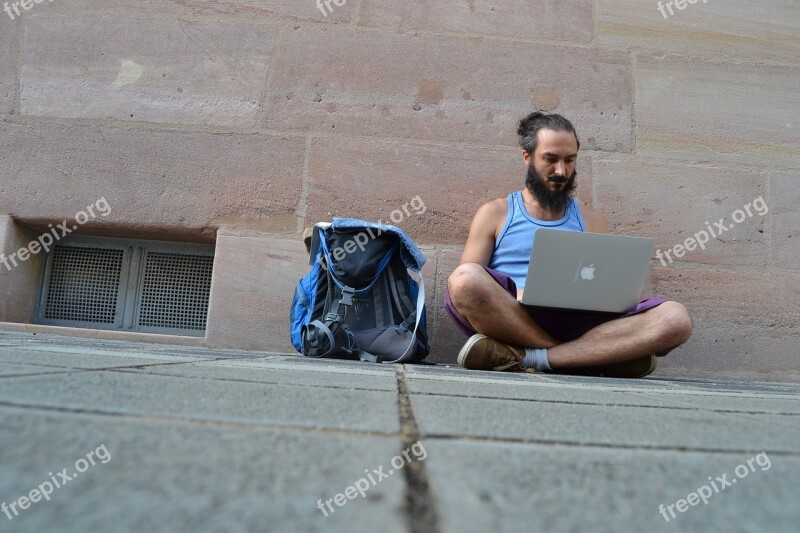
(359, 301)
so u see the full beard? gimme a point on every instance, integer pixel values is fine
(553, 201)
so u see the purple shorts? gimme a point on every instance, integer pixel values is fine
(563, 324)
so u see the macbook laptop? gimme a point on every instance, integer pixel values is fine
(590, 271)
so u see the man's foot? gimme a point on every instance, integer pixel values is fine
(483, 353)
(638, 368)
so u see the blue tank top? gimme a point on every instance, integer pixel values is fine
(512, 249)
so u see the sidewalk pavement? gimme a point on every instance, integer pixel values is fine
(210, 440)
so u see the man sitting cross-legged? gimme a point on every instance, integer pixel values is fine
(483, 292)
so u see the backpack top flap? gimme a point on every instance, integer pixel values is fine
(355, 259)
(412, 257)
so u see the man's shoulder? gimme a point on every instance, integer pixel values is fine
(491, 216)
(496, 206)
(494, 210)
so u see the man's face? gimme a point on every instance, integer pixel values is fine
(551, 169)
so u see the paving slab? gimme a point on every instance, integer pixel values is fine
(85, 358)
(449, 372)
(737, 387)
(499, 487)
(124, 393)
(229, 440)
(179, 476)
(637, 393)
(281, 374)
(333, 365)
(603, 425)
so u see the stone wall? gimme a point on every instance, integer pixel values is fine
(242, 122)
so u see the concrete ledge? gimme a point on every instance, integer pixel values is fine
(102, 334)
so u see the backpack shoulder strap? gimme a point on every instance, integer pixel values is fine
(408, 354)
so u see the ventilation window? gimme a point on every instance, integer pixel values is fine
(175, 291)
(84, 284)
(124, 284)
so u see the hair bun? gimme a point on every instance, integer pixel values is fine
(529, 127)
(526, 123)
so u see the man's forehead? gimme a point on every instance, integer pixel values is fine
(557, 142)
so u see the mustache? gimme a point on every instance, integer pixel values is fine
(551, 200)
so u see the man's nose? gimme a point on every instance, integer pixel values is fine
(561, 168)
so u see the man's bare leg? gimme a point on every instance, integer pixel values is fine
(495, 313)
(625, 339)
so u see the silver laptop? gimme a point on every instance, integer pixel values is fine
(591, 271)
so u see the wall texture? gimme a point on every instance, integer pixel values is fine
(244, 121)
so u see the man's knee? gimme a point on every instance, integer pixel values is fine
(675, 323)
(468, 283)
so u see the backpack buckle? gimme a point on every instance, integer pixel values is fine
(347, 296)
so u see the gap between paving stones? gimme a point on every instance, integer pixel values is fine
(585, 444)
(189, 420)
(233, 380)
(133, 352)
(386, 372)
(74, 370)
(421, 506)
(309, 366)
(407, 432)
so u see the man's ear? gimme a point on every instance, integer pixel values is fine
(526, 157)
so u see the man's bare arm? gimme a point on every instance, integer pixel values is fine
(483, 231)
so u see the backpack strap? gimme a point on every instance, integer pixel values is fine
(414, 315)
(338, 336)
(315, 333)
(399, 294)
(328, 339)
(420, 306)
(366, 356)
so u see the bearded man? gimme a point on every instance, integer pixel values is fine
(483, 293)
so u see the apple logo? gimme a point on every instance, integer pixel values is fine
(588, 272)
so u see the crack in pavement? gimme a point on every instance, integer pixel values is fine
(420, 504)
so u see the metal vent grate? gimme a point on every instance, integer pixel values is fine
(127, 284)
(84, 284)
(175, 291)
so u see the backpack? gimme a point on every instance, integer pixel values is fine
(359, 300)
